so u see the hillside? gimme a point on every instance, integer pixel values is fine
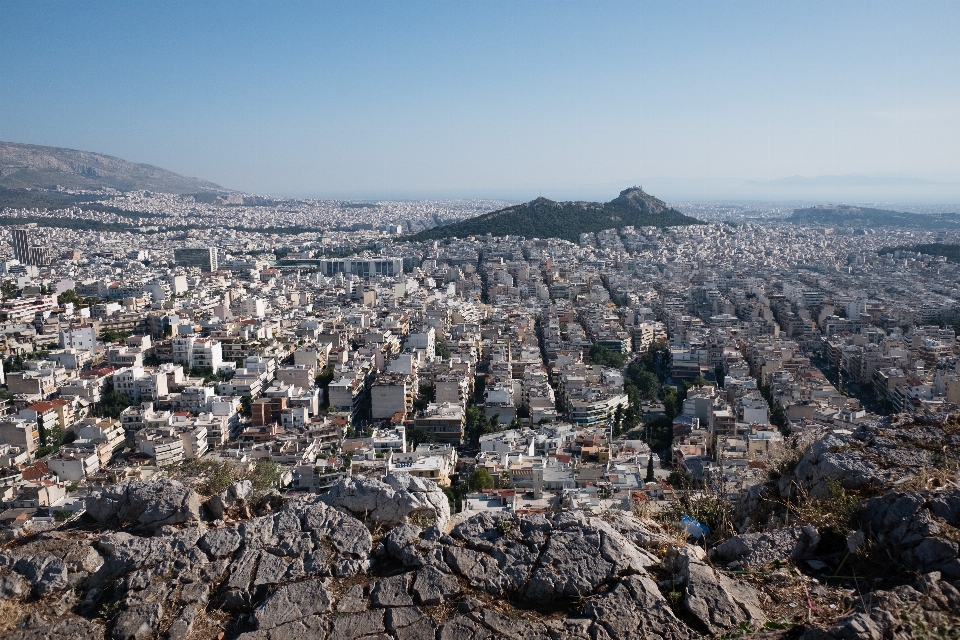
(850, 216)
(543, 218)
(949, 251)
(27, 166)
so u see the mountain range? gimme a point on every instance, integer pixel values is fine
(29, 166)
(543, 218)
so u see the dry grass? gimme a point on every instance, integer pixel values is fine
(10, 613)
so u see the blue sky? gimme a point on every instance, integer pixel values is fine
(417, 99)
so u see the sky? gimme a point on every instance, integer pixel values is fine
(574, 100)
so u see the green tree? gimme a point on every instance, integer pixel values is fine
(440, 348)
(8, 290)
(671, 402)
(601, 355)
(246, 406)
(481, 479)
(69, 296)
(266, 475)
(420, 435)
(650, 476)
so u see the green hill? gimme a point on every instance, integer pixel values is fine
(542, 218)
(850, 216)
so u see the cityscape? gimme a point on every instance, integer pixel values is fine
(378, 404)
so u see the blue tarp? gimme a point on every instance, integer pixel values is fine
(693, 528)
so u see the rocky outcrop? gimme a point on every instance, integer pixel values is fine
(313, 570)
(148, 504)
(927, 608)
(757, 549)
(715, 600)
(381, 560)
(399, 499)
(920, 527)
(233, 498)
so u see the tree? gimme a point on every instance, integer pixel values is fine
(266, 475)
(601, 355)
(481, 479)
(420, 435)
(69, 296)
(246, 406)
(649, 477)
(440, 348)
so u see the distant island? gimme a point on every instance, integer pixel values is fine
(30, 166)
(853, 216)
(543, 218)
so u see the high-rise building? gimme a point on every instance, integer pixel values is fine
(204, 258)
(20, 245)
(25, 252)
(363, 267)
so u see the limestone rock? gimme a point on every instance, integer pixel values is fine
(399, 499)
(220, 504)
(717, 601)
(292, 602)
(755, 549)
(138, 622)
(150, 504)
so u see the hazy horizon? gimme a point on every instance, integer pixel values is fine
(693, 101)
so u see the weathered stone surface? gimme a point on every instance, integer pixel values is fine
(220, 542)
(634, 609)
(586, 554)
(13, 585)
(71, 628)
(514, 629)
(356, 625)
(221, 504)
(292, 602)
(399, 499)
(77, 554)
(755, 549)
(431, 586)
(464, 628)
(270, 570)
(840, 457)
(150, 504)
(480, 570)
(315, 627)
(182, 626)
(353, 601)
(910, 522)
(138, 622)
(392, 591)
(716, 600)
(46, 574)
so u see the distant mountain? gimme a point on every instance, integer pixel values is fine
(28, 166)
(844, 181)
(850, 216)
(543, 218)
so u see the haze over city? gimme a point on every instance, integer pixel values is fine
(412, 100)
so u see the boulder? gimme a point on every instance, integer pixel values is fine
(399, 499)
(756, 549)
(150, 504)
(634, 610)
(221, 504)
(293, 602)
(717, 601)
(138, 622)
